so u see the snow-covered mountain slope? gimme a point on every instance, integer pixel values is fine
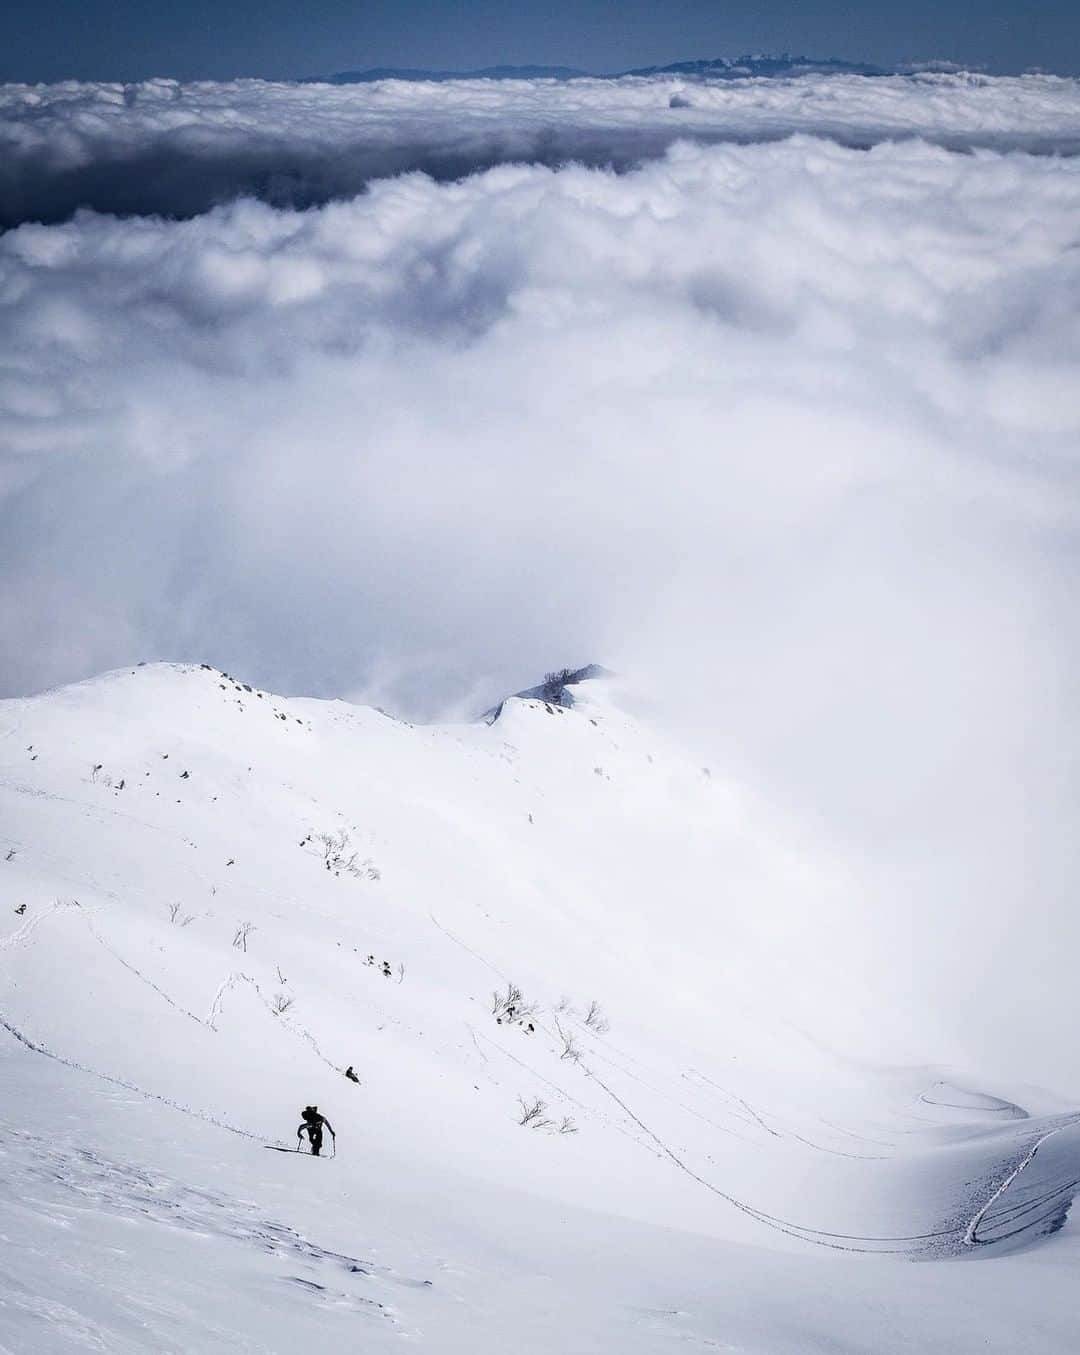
(214, 900)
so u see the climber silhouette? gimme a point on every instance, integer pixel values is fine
(312, 1125)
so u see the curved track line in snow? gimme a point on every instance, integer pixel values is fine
(301, 1031)
(938, 1238)
(804, 1232)
(1054, 1205)
(789, 1133)
(851, 1133)
(48, 1053)
(665, 1095)
(590, 1111)
(215, 1002)
(23, 933)
(137, 972)
(754, 1116)
(230, 982)
(840, 1152)
(971, 1238)
(991, 1105)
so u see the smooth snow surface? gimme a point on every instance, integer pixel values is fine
(193, 876)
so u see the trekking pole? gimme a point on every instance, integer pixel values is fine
(333, 1146)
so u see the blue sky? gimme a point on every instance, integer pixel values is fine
(133, 39)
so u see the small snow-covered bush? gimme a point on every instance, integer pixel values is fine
(338, 856)
(568, 1040)
(240, 939)
(511, 1006)
(533, 1113)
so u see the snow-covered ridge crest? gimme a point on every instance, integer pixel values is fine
(556, 690)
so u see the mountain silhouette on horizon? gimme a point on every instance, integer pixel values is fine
(744, 67)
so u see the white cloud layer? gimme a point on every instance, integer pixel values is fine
(789, 429)
(177, 149)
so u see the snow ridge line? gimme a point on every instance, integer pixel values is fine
(970, 1238)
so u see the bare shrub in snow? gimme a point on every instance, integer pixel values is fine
(339, 856)
(533, 1113)
(569, 1043)
(281, 1003)
(178, 918)
(501, 1001)
(240, 940)
(595, 1019)
(511, 1006)
(534, 1116)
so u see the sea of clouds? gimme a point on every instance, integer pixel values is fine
(785, 428)
(179, 149)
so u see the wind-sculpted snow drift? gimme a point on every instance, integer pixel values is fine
(595, 1006)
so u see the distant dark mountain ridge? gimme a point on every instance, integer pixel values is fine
(713, 68)
(744, 67)
(485, 73)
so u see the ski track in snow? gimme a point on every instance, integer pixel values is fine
(930, 1242)
(301, 1032)
(990, 1105)
(24, 933)
(945, 1241)
(1048, 1207)
(1053, 1204)
(38, 1048)
(1023, 1194)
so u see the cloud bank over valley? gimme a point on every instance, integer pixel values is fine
(162, 147)
(785, 428)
